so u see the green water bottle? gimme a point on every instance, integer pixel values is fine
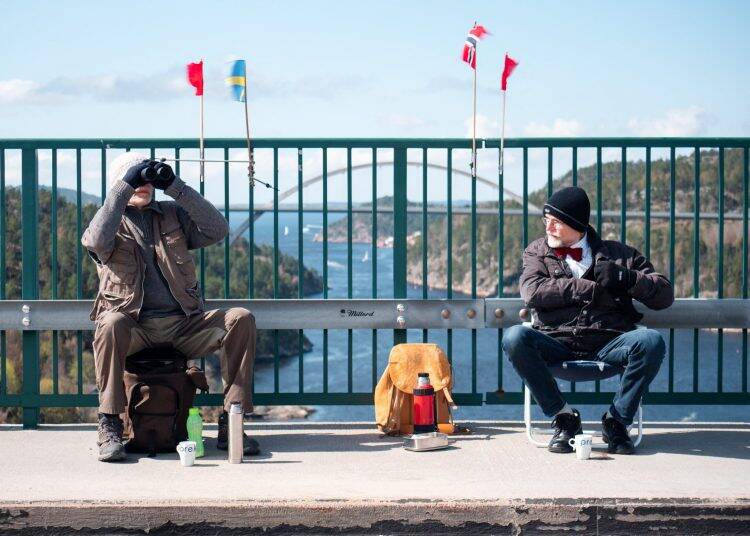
(195, 431)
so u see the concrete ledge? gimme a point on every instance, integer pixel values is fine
(345, 478)
(587, 516)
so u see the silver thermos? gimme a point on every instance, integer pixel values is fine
(235, 433)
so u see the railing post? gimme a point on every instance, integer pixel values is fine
(399, 232)
(30, 284)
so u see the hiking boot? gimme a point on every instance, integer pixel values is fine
(615, 434)
(110, 438)
(567, 426)
(250, 446)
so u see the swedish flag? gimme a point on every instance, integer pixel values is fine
(237, 80)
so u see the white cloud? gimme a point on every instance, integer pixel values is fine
(406, 121)
(322, 86)
(559, 128)
(455, 84)
(312, 162)
(689, 121)
(611, 154)
(17, 91)
(63, 158)
(486, 127)
(168, 85)
(109, 88)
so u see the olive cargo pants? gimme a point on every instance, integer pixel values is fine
(232, 330)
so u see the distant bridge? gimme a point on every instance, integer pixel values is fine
(260, 210)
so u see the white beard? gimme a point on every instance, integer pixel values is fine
(554, 242)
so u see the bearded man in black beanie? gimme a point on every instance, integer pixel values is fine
(580, 289)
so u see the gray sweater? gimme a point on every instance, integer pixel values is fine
(202, 223)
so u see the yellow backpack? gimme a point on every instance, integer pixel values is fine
(394, 392)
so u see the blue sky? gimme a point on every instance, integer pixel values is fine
(375, 69)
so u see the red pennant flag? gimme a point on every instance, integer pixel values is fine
(510, 64)
(195, 76)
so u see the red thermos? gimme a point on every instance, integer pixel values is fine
(424, 405)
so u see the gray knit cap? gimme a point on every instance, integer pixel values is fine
(122, 164)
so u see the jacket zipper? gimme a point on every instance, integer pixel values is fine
(143, 277)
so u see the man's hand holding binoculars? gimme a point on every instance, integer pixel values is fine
(150, 171)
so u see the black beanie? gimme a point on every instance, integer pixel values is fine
(570, 205)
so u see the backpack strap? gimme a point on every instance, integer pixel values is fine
(394, 414)
(449, 398)
(135, 390)
(178, 400)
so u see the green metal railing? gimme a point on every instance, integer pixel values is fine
(21, 261)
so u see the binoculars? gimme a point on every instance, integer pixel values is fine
(156, 170)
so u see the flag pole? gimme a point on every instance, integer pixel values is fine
(474, 130)
(474, 119)
(202, 152)
(502, 135)
(250, 156)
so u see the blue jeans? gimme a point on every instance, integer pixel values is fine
(640, 351)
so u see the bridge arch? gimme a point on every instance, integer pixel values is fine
(313, 180)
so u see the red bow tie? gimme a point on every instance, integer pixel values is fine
(575, 253)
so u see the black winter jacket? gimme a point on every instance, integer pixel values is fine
(580, 313)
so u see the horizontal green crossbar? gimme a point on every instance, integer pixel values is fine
(409, 143)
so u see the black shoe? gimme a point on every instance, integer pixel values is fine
(250, 446)
(110, 438)
(615, 434)
(567, 426)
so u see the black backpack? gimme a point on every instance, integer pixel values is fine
(160, 388)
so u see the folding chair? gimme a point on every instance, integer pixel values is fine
(577, 371)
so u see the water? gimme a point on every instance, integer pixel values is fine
(367, 368)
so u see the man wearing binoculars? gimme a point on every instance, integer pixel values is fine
(149, 295)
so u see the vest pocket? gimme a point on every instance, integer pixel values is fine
(177, 249)
(122, 275)
(194, 292)
(554, 269)
(123, 264)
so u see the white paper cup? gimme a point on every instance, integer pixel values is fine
(186, 450)
(582, 445)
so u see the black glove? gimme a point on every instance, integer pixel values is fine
(134, 176)
(614, 276)
(164, 175)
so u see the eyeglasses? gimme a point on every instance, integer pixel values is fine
(550, 221)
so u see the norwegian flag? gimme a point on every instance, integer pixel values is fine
(470, 46)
